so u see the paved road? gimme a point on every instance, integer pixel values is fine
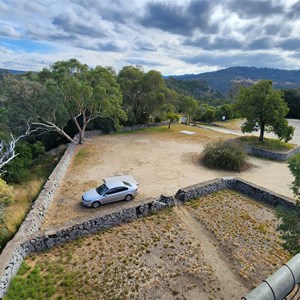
(293, 122)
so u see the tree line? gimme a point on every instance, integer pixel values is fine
(69, 98)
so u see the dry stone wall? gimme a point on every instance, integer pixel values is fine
(237, 184)
(278, 155)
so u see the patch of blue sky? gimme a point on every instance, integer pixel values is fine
(26, 45)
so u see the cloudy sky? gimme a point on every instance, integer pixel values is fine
(173, 37)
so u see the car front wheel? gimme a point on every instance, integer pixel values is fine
(96, 204)
(128, 197)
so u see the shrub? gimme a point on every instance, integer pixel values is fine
(18, 170)
(6, 193)
(290, 228)
(224, 155)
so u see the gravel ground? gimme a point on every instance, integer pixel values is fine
(161, 160)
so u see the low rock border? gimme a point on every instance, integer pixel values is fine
(273, 155)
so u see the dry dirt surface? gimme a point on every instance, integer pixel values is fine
(161, 160)
(216, 247)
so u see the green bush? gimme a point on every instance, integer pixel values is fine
(224, 155)
(6, 193)
(18, 170)
(290, 228)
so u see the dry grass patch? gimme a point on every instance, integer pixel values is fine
(150, 258)
(246, 232)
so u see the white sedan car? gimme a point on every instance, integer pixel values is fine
(110, 191)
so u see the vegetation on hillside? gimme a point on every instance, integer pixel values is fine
(225, 80)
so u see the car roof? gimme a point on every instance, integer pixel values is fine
(114, 184)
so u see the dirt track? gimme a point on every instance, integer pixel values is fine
(162, 162)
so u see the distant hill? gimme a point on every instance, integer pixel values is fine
(9, 71)
(224, 80)
(199, 89)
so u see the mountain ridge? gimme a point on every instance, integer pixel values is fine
(225, 79)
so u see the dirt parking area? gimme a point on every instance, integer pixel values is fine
(161, 160)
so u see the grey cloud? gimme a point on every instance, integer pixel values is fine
(109, 47)
(294, 11)
(183, 20)
(216, 44)
(8, 31)
(254, 8)
(252, 59)
(115, 11)
(290, 44)
(72, 23)
(144, 46)
(143, 62)
(260, 44)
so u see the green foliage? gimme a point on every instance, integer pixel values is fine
(264, 109)
(290, 218)
(227, 110)
(290, 228)
(292, 99)
(224, 155)
(206, 113)
(294, 166)
(142, 93)
(189, 106)
(198, 89)
(172, 118)
(18, 170)
(6, 193)
(30, 284)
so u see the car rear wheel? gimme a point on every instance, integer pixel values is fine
(96, 204)
(128, 197)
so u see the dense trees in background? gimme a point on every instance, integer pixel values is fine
(264, 110)
(292, 99)
(69, 97)
(142, 93)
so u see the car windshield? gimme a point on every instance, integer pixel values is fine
(127, 183)
(101, 189)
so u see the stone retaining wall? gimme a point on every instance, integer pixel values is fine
(281, 156)
(17, 249)
(36, 216)
(237, 184)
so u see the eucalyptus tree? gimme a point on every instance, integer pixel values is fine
(142, 92)
(68, 90)
(77, 92)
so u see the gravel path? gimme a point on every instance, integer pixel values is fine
(230, 284)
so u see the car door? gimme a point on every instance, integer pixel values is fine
(110, 196)
(115, 194)
(122, 192)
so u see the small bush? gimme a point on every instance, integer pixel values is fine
(224, 155)
(6, 193)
